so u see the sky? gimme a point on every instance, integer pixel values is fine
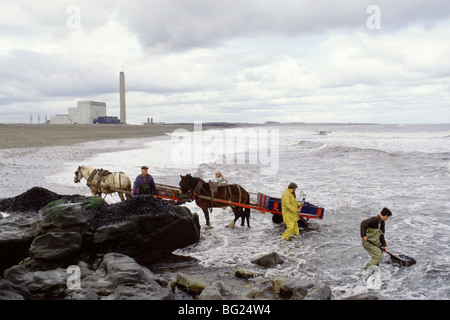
(314, 61)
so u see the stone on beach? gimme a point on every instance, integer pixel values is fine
(270, 260)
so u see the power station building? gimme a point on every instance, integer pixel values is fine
(84, 113)
(90, 112)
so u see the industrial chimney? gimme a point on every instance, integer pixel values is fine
(123, 111)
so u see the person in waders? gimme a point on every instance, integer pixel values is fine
(144, 183)
(372, 229)
(289, 209)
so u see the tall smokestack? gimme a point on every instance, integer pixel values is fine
(123, 111)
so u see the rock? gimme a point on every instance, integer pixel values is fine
(295, 289)
(81, 294)
(124, 270)
(267, 293)
(363, 296)
(100, 285)
(41, 284)
(56, 246)
(145, 229)
(269, 260)
(11, 291)
(119, 277)
(191, 284)
(10, 295)
(318, 292)
(140, 292)
(24, 223)
(244, 273)
(17, 231)
(277, 282)
(71, 213)
(214, 291)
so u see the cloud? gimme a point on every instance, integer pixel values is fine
(168, 25)
(231, 60)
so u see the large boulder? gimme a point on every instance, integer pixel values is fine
(71, 213)
(11, 291)
(55, 247)
(43, 229)
(295, 288)
(41, 284)
(26, 220)
(144, 228)
(119, 277)
(17, 232)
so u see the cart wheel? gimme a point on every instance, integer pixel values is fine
(277, 218)
(302, 223)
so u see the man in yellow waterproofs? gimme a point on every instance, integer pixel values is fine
(290, 209)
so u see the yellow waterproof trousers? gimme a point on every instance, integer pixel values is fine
(289, 207)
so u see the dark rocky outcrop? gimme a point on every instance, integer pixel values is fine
(50, 231)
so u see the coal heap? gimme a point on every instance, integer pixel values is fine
(30, 201)
(142, 205)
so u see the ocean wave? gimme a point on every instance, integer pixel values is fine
(336, 150)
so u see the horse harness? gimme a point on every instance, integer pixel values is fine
(213, 192)
(100, 174)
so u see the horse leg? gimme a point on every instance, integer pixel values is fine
(237, 215)
(206, 213)
(121, 196)
(246, 214)
(93, 191)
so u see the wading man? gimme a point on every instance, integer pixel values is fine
(372, 230)
(289, 209)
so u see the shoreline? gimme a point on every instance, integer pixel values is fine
(46, 135)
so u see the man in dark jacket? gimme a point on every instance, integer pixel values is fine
(144, 183)
(372, 229)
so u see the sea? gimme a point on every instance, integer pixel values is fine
(353, 171)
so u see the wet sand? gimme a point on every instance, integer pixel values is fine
(40, 135)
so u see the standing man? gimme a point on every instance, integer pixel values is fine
(289, 209)
(144, 183)
(372, 229)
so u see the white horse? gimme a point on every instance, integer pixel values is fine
(103, 181)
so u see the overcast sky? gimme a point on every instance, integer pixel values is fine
(378, 61)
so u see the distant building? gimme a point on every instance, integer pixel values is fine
(107, 120)
(59, 119)
(86, 112)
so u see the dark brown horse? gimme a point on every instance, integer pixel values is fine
(200, 191)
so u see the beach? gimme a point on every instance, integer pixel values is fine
(44, 135)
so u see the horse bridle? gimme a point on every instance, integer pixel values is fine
(77, 180)
(197, 189)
